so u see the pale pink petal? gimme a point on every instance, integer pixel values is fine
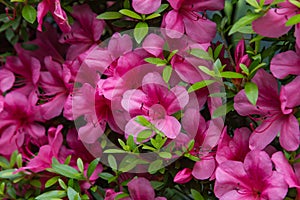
(170, 126)
(91, 132)
(119, 44)
(145, 6)
(204, 168)
(173, 24)
(176, 4)
(154, 44)
(7, 80)
(265, 25)
(284, 64)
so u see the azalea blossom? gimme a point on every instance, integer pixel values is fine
(156, 103)
(184, 18)
(251, 179)
(57, 12)
(146, 6)
(19, 118)
(275, 109)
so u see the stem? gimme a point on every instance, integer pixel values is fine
(227, 48)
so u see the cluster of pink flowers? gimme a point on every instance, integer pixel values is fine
(114, 85)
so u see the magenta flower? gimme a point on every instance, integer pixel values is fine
(240, 56)
(57, 12)
(56, 89)
(235, 148)
(183, 176)
(290, 172)
(51, 150)
(19, 118)
(185, 18)
(276, 111)
(279, 16)
(156, 103)
(251, 179)
(26, 70)
(286, 63)
(145, 6)
(141, 189)
(85, 33)
(7, 80)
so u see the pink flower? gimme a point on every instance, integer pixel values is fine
(185, 18)
(279, 16)
(157, 103)
(276, 111)
(145, 6)
(85, 33)
(56, 90)
(141, 189)
(251, 179)
(57, 12)
(290, 172)
(286, 63)
(26, 70)
(183, 176)
(7, 80)
(235, 148)
(51, 150)
(240, 56)
(19, 118)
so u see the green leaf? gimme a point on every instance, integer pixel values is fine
(4, 163)
(223, 110)
(72, 194)
(155, 166)
(244, 68)
(91, 168)
(201, 84)
(295, 2)
(105, 175)
(251, 91)
(52, 194)
(157, 185)
(51, 181)
(130, 13)
(143, 135)
(231, 75)
(162, 8)
(196, 195)
(13, 158)
(249, 18)
(142, 121)
(80, 165)
(207, 71)
(67, 171)
(126, 4)
(36, 183)
(114, 151)
(9, 174)
(167, 72)
(166, 155)
(110, 15)
(156, 61)
(199, 53)
(62, 184)
(253, 3)
(121, 196)
(293, 20)
(140, 31)
(128, 163)
(29, 13)
(152, 16)
(112, 162)
(130, 142)
(19, 160)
